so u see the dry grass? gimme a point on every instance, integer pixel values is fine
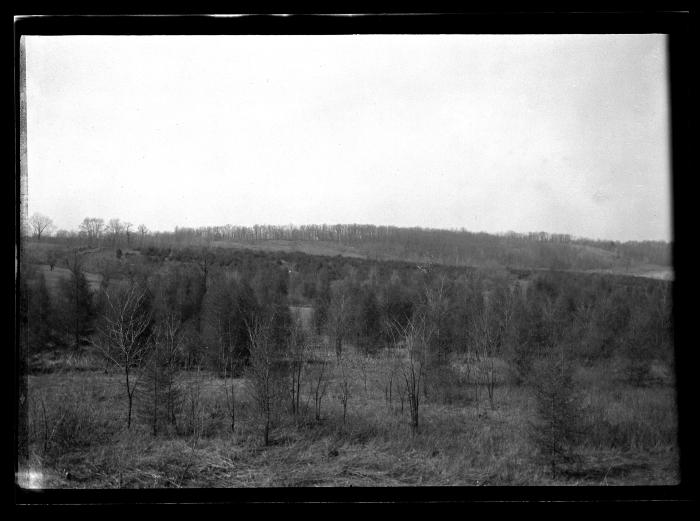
(630, 438)
(53, 278)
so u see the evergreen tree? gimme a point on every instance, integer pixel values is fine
(77, 306)
(229, 305)
(160, 392)
(322, 299)
(556, 430)
(40, 317)
(370, 321)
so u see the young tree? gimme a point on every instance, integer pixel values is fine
(491, 330)
(270, 286)
(321, 299)
(535, 329)
(435, 308)
(415, 336)
(39, 314)
(264, 378)
(370, 321)
(643, 340)
(77, 301)
(160, 388)
(124, 334)
(343, 384)
(40, 225)
(230, 307)
(390, 365)
(297, 347)
(338, 316)
(556, 431)
(318, 377)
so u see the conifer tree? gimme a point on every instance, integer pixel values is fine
(556, 430)
(40, 317)
(160, 392)
(77, 304)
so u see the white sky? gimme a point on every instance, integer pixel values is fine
(567, 134)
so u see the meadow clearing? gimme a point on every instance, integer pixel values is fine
(79, 439)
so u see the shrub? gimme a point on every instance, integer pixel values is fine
(65, 421)
(448, 385)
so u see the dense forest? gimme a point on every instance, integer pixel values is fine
(597, 315)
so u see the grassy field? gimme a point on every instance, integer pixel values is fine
(53, 278)
(326, 248)
(79, 437)
(650, 271)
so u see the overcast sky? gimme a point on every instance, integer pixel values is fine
(566, 134)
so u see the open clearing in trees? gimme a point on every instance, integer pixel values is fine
(631, 438)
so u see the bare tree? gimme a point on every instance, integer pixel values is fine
(127, 230)
(416, 337)
(338, 317)
(390, 366)
(124, 335)
(343, 388)
(435, 310)
(297, 347)
(40, 224)
(489, 333)
(318, 376)
(92, 227)
(115, 228)
(230, 365)
(192, 402)
(262, 377)
(143, 231)
(205, 264)
(485, 341)
(363, 364)
(195, 418)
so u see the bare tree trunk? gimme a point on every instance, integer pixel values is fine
(155, 398)
(233, 410)
(298, 388)
(128, 421)
(338, 346)
(491, 384)
(77, 313)
(129, 396)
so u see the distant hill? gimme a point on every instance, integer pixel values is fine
(450, 247)
(537, 250)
